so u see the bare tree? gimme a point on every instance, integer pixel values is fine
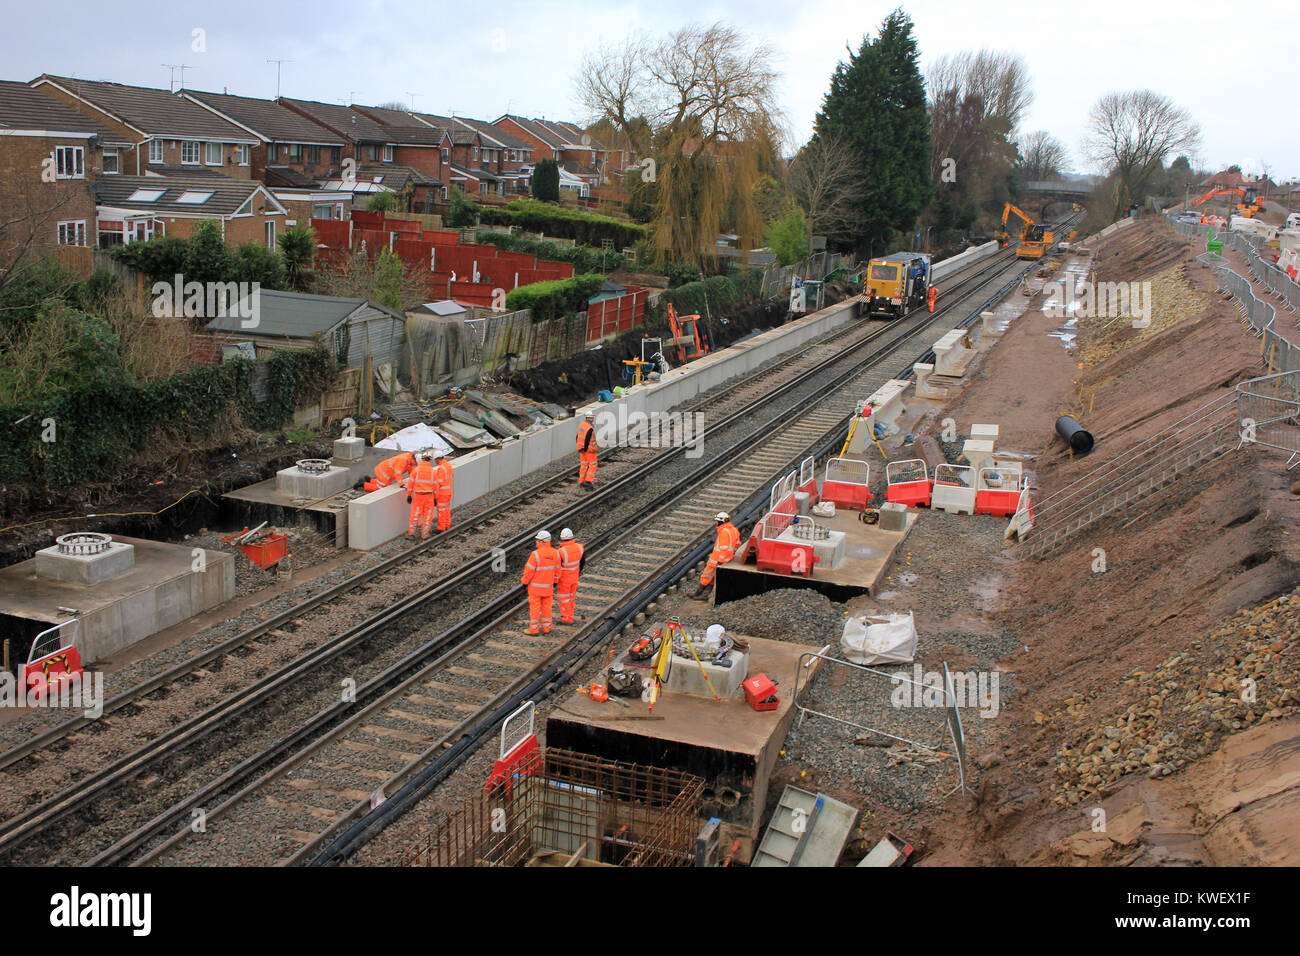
(1129, 135)
(998, 78)
(824, 181)
(29, 214)
(1042, 156)
(707, 96)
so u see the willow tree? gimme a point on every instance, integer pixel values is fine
(706, 96)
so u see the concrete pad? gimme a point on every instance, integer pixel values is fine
(733, 747)
(85, 569)
(868, 551)
(377, 517)
(161, 589)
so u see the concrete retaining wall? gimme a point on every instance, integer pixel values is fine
(380, 516)
(943, 270)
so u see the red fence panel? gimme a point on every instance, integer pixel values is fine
(368, 220)
(472, 293)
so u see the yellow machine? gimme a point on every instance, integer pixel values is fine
(1035, 240)
(896, 284)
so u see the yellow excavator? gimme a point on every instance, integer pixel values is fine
(1035, 240)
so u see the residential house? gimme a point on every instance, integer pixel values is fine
(163, 129)
(137, 208)
(292, 150)
(585, 163)
(51, 156)
(420, 150)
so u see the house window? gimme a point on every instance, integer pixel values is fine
(270, 234)
(72, 233)
(189, 153)
(295, 152)
(372, 153)
(110, 161)
(476, 154)
(241, 155)
(214, 154)
(155, 151)
(388, 154)
(446, 154)
(322, 212)
(338, 210)
(335, 155)
(313, 154)
(70, 162)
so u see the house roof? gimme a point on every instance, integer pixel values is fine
(570, 133)
(186, 171)
(461, 132)
(493, 136)
(408, 129)
(155, 113)
(394, 175)
(446, 307)
(228, 195)
(23, 108)
(547, 136)
(1228, 179)
(272, 120)
(481, 174)
(343, 119)
(287, 177)
(296, 315)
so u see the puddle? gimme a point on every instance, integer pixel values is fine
(906, 578)
(1067, 333)
(864, 552)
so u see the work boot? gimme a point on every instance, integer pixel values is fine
(533, 630)
(699, 592)
(546, 630)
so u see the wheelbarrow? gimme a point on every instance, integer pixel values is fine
(264, 548)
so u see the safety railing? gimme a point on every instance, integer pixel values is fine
(782, 495)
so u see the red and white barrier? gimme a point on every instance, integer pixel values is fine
(908, 483)
(847, 483)
(954, 489)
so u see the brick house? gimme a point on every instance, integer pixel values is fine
(588, 162)
(288, 142)
(137, 208)
(419, 146)
(163, 129)
(51, 156)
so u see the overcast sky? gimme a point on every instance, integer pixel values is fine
(1227, 68)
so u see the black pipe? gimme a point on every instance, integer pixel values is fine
(1073, 434)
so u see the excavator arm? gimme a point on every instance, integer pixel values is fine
(1219, 191)
(1007, 210)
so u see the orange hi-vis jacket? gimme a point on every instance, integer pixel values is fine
(442, 480)
(391, 469)
(570, 562)
(586, 443)
(728, 540)
(543, 568)
(422, 480)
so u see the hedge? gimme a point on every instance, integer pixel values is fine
(562, 221)
(96, 428)
(717, 294)
(584, 258)
(548, 300)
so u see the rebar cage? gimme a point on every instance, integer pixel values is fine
(572, 806)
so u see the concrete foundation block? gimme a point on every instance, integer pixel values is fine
(472, 476)
(686, 677)
(300, 484)
(893, 517)
(536, 450)
(85, 569)
(830, 552)
(505, 464)
(378, 517)
(564, 437)
(349, 449)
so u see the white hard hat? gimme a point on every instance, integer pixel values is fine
(543, 536)
(722, 516)
(566, 535)
(715, 631)
(591, 414)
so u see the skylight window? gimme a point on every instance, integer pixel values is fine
(195, 196)
(145, 195)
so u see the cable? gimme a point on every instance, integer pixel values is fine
(124, 514)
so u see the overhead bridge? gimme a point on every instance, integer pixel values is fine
(1058, 189)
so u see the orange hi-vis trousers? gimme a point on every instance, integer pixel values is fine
(421, 514)
(586, 467)
(539, 608)
(443, 502)
(724, 549)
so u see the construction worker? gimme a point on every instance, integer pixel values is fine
(421, 485)
(724, 549)
(540, 574)
(587, 451)
(390, 471)
(571, 561)
(443, 477)
(931, 294)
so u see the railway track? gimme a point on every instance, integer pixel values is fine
(445, 685)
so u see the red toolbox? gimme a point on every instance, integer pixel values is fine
(760, 693)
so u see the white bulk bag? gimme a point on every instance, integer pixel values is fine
(883, 639)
